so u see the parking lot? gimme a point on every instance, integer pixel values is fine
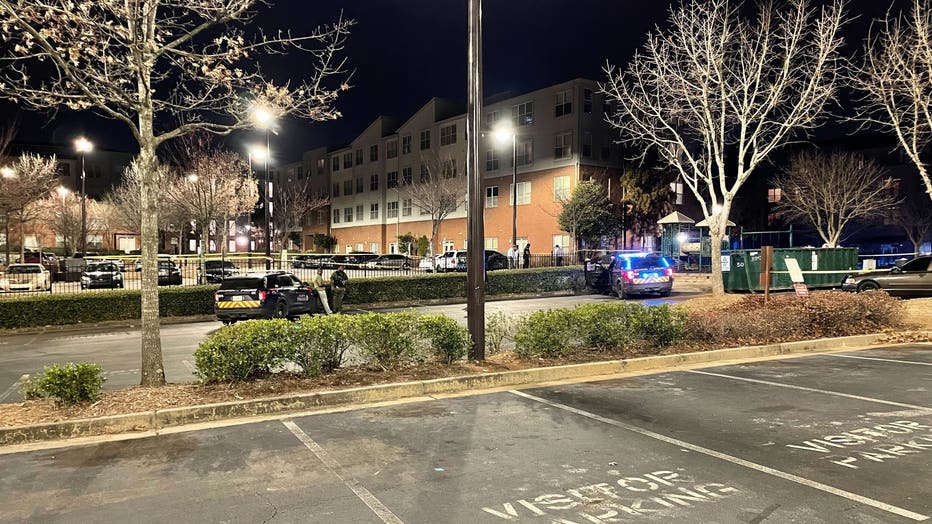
(836, 437)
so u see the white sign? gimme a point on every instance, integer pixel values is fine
(796, 274)
(726, 263)
(815, 261)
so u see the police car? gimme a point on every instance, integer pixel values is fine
(267, 294)
(641, 274)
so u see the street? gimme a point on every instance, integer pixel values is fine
(117, 350)
(835, 437)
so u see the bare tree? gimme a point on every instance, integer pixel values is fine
(292, 202)
(831, 191)
(436, 192)
(914, 215)
(716, 93)
(24, 182)
(165, 68)
(896, 78)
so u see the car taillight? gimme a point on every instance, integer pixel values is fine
(668, 271)
(262, 295)
(629, 275)
(216, 296)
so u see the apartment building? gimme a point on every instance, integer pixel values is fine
(560, 138)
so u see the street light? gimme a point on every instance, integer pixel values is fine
(7, 172)
(502, 134)
(264, 118)
(83, 146)
(62, 191)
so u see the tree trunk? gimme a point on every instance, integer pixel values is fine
(434, 227)
(716, 235)
(152, 371)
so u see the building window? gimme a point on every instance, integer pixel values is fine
(491, 243)
(391, 149)
(374, 153)
(491, 197)
(677, 189)
(491, 160)
(335, 164)
(522, 114)
(607, 148)
(563, 241)
(358, 157)
(448, 135)
(360, 185)
(392, 180)
(425, 173)
(359, 213)
(607, 107)
(336, 216)
(321, 217)
(392, 211)
(563, 145)
(492, 118)
(347, 160)
(374, 182)
(525, 153)
(406, 144)
(449, 168)
(564, 104)
(406, 178)
(374, 211)
(347, 187)
(321, 165)
(425, 139)
(523, 196)
(587, 144)
(348, 215)
(406, 207)
(587, 101)
(561, 188)
(774, 195)
(336, 191)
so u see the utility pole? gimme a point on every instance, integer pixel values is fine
(475, 252)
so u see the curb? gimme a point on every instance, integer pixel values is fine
(307, 402)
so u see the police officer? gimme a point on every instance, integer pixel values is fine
(338, 280)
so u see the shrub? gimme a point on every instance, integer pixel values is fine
(607, 326)
(245, 351)
(69, 383)
(387, 339)
(662, 325)
(320, 342)
(498, 327)
(447, 340)
(547, 333)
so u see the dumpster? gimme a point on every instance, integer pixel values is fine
(821, 267)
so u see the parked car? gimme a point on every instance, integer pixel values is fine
(217, 270)
(912, 279)
(303, 261)
(640, 274)
(268, 294)
(35, 257)
(456, 261)
(428, 264)
(119, 262)
(105, 274)
(162, 258)
(363, 257)
(335, 261)
(26, 277)
(449, 261)
(169, 273)
(392, 261)
(495, 260)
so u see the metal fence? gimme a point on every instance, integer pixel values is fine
(73, 275)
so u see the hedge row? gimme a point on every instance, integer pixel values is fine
(75, 308)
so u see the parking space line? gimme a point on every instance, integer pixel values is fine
(364, 495)
(9, 391)
(734, 460)
(813, 390)
(897, 361)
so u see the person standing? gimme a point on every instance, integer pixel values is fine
(338, 280)
(527, 255)
(321, 289)
(512, 253)
(558, 254)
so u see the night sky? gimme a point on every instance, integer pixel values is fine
(406, 51)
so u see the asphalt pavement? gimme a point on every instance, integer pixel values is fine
(116, 350)
(833, 438)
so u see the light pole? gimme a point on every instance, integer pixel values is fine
(83, 146)
(475, 252)
(7, 173)
(265, 119)
(262, 154)
(502, 134)
(63, 193)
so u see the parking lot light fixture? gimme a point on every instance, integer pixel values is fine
(62, 191)
(83, 146)
(7, 172)
(264, 118)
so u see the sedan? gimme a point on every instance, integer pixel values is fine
(169, 273)
(912, 279)
(394, 261)
(26, 277)
(101, 275)
(217, 270)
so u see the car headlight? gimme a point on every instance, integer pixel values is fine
(85, 278)
(849, 280)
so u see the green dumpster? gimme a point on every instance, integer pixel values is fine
(821, 267)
